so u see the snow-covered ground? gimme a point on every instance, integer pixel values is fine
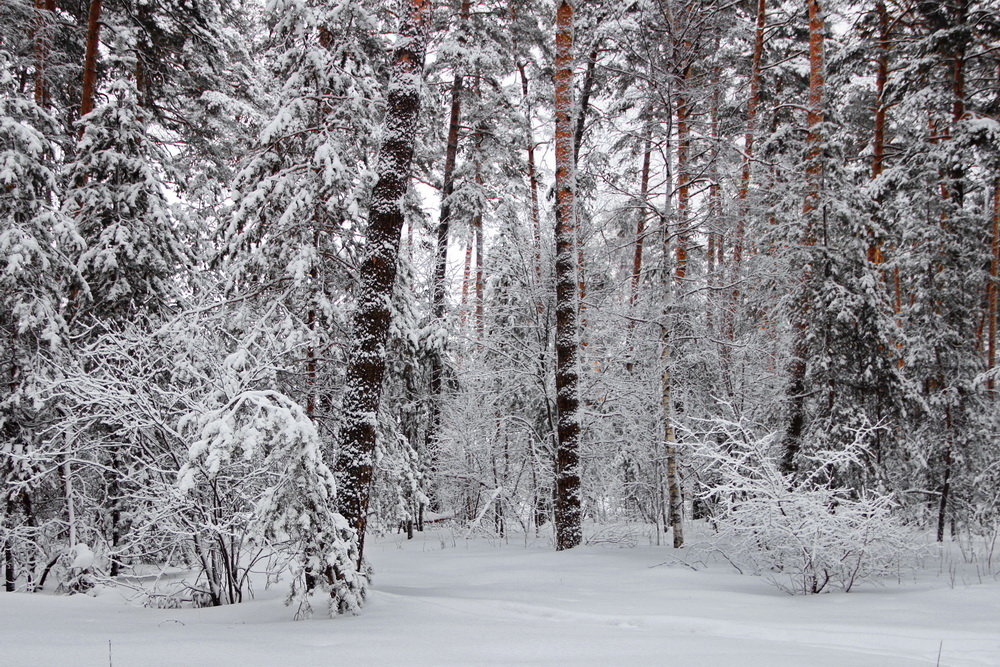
(440, 599)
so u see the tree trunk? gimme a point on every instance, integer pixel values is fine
(536, 220)
(875, 252)
(467, 273)
(441, 250)
(45, 16)
(70, 505)
(90, 59)
(640, 225)
(683, 185)
(714, 232)
(743, 210)
(366, 360)
(567, 501)
(991, 288)
(680, 272)
(9, 568)
(581, 119)
(477, 228)
(810, 208)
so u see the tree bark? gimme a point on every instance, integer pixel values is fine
(640, 225)
(581, 118)
(45, 11)
(367, 357)
(9, 568)
(567, 502)
(743, 211)
(714, 231)
(477, 228)
(536, 220)
(991, 288)
(441, 250)
(679, 274)
(90, 59)
(683, 184)
(810, 208)
(875, 252)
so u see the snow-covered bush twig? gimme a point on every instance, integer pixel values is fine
(295, 512)
(806, 534)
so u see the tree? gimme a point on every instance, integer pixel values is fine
(366, 359)
(567, 504)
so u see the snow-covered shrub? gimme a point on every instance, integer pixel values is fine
(806, 534)
(291, 491)
(79, 577)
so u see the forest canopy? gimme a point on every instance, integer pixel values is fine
(277, 275)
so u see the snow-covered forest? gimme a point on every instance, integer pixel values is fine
(290, 286)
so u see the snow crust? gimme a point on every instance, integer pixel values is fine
(441, 599)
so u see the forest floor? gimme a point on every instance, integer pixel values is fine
(442, 599)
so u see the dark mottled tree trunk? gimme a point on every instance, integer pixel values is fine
(567, 493)
(366, 360)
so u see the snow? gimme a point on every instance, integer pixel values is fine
(83, 557)
(441, 599)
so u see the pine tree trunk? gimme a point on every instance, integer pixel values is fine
(90, 59)
(581, 276)
(9, 567)
(467, 274)
(991, 288)
(683, 186)
(640, 225)
(45, 16)
(810, 208)
(567, 501)
(743, 210)
(680, 273)
(477, 227)
(714, 232)
(881, 78)
(441, 250)
(875, 253)
(367, 357)
(536, 220)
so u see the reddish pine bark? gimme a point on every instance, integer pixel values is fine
(45, 11)
(742, 194)
(714, 204)
(367, 357)
(810, 207)
(90, 58)
(567, 502)
(753, 102)
(875, 252)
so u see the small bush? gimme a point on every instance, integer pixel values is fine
(805, 534)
